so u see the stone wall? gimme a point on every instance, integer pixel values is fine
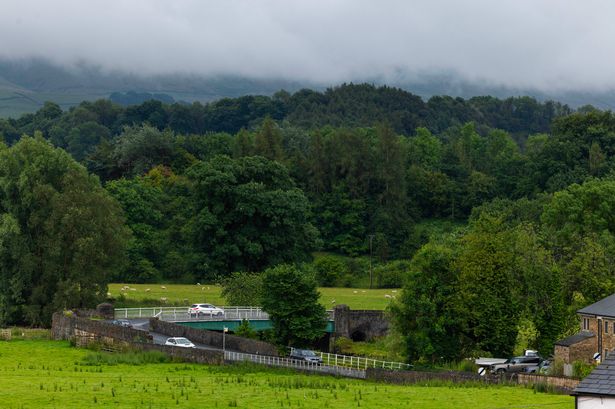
(199, 356)
(360, 325)
(583, 351)
(213, 338)
(68, 327)
(411, 377)
(563, 384)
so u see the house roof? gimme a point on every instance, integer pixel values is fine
(604, 307)
(573, 339)
(601, 381)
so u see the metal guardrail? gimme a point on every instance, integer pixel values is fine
(293, 363)
(359, 362)
(183, 314)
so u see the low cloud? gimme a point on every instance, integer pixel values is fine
(542, 44)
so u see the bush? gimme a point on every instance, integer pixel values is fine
(581, 369)
(392, 275)
(557, 368)
(245, 330)
(241, 288)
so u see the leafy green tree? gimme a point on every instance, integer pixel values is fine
(241, 288)
(426, 313)
(61, 235)
(486, 284)
(268, 141)
(140, 148)
(291, 300)
(142, 205)
(247, 215)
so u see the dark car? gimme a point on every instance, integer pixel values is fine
(305, 355)
(122, 323)
(542, 368)
(516, 364)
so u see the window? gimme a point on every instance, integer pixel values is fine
(606, 327)
(586, 323)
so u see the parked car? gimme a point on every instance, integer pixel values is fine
(305, 355)
(542, 368)
(205, 309)
(122, 323)
(516, 364)
(180, 342)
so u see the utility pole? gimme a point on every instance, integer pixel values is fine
(371, 277)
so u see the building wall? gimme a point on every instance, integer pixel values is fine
(583, 351)
(595, 402)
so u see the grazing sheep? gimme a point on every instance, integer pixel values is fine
(163, 299)
(393, 291)
(163, 287)
(109, 295)
(147, 290)
(387, 296)
(354, 292)
(199, 284)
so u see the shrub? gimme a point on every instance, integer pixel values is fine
(581, 369)
(392, 275)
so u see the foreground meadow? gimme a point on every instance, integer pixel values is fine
(184, 294)
(49, 374)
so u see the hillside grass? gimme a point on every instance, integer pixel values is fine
(183, 294)
(51, 374)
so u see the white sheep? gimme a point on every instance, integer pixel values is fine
(387, 296)
(147, 290)
(354, 292)
(163, 287)
(163, 299)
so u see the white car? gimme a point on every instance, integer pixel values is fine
(180, 342)
(196, 310)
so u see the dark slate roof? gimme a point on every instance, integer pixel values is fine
(604, 307)
(573, 339)
(601, 381)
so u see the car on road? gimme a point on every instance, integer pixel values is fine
(542, 368)
(180, 342)
(122, 323)
(196, 310)
(516, 364)
(306, 355)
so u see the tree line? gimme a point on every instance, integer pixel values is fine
(196, 192)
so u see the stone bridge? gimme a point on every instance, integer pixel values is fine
(359, 325)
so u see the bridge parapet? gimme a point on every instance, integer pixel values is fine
(183, 314)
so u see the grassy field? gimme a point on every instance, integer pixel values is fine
(180, 294)
(50, 374)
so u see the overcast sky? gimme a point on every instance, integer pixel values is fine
(543, 44)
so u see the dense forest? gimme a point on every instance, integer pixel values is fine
(243, 184)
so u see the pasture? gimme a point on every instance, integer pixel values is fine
(185, 294)
(50, 374)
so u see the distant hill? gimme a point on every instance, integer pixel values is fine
(26, 85)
